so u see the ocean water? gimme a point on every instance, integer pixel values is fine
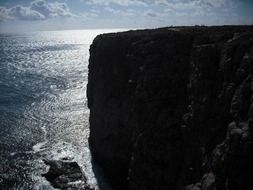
(43, 105)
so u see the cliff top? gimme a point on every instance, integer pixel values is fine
(202, 34)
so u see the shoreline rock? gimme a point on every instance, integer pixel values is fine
(66, 175)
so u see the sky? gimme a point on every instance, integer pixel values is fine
(37, 15)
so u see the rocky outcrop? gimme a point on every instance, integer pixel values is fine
(172, 108)
(66, 175)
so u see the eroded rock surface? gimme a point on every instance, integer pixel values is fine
(172, 108)
(66, 175)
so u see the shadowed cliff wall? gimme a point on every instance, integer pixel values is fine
(172, 107)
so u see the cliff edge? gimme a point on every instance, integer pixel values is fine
(172, 108)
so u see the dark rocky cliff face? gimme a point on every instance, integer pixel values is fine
(172, 108)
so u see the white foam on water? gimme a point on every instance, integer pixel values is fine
(39, 146)
(13, 153)
(62, 150)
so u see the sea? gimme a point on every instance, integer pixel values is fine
(43, 106)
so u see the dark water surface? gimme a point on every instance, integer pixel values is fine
(43, 106)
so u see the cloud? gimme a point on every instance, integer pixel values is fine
(113, 11)
(120, 12)
(217, 3)
(211, 3)
(150, 14)
(4, 13)
(51, 9)
(159, 8)
(88, 15)
(163, 8)
(38, 10)
(204, 3)
(117, 2)
(41, 6)
(24, 13)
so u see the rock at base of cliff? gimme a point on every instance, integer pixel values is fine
(66, 175)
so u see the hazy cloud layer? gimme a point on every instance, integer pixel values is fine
(38, 10)
(162, 8)
(211, 3)
(4, 13)
(117, 2)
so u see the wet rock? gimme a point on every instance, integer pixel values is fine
(66, 175)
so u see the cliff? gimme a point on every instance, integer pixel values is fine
(172, 108)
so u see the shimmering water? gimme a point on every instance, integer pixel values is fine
(43, 106)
